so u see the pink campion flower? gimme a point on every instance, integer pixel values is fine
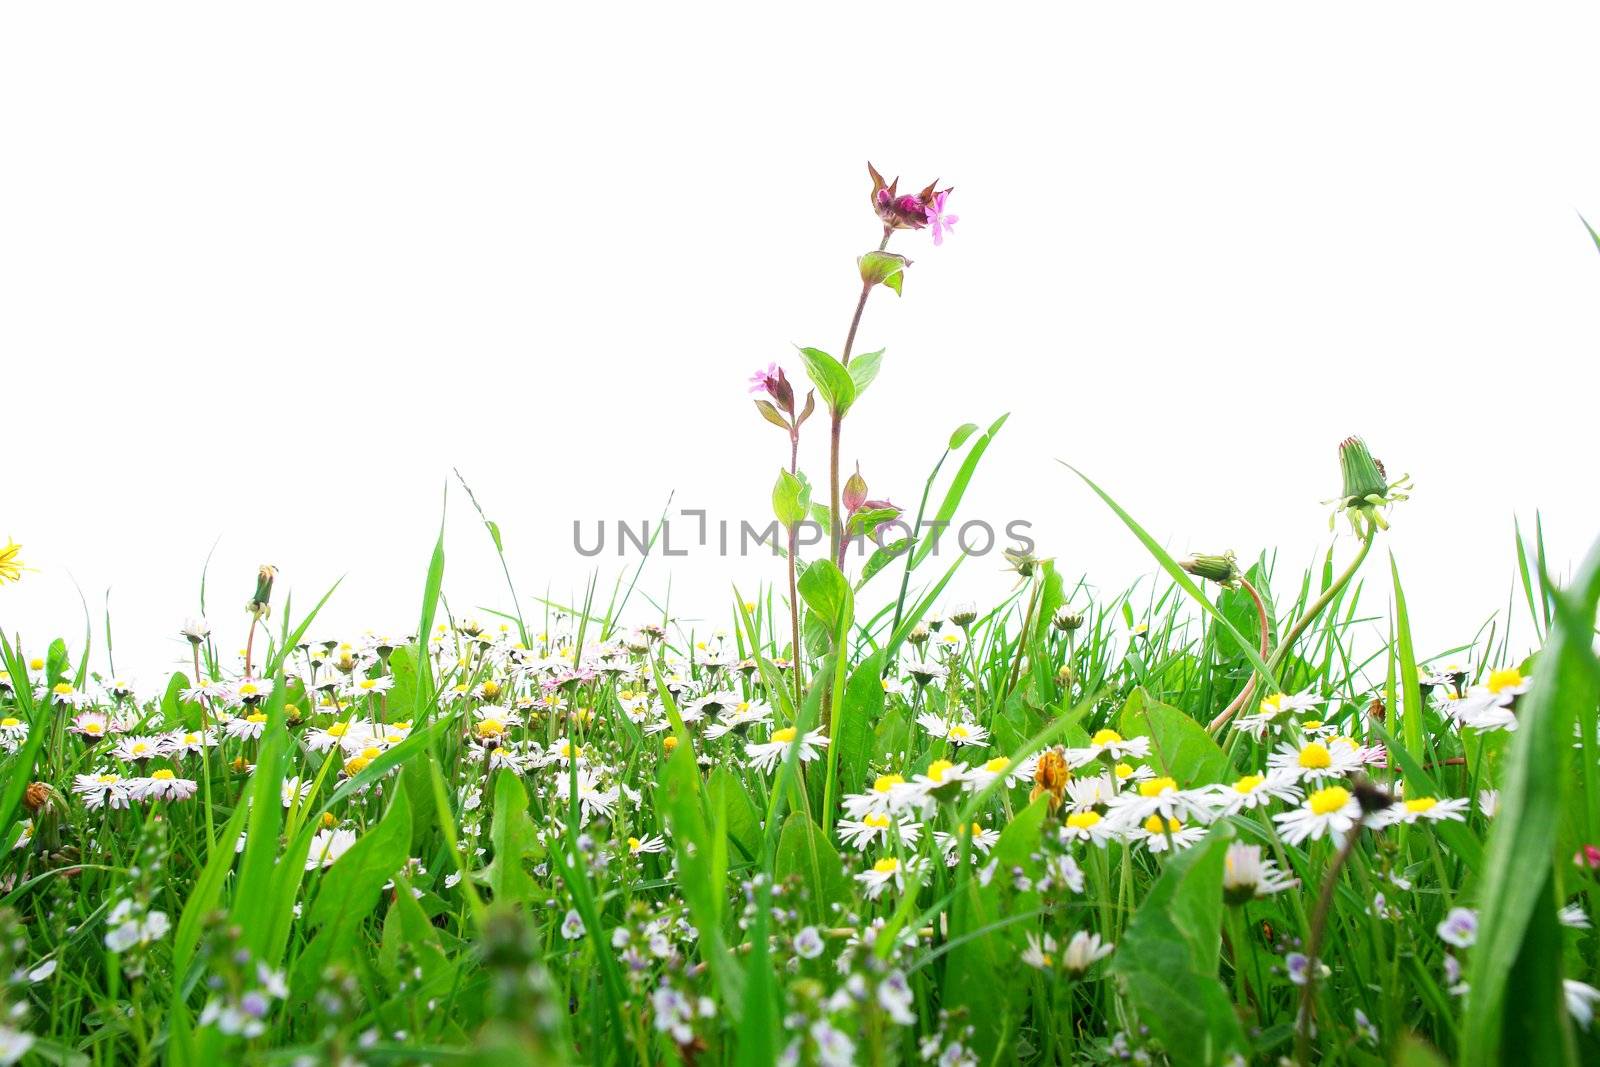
(762, 381)
(941, 223)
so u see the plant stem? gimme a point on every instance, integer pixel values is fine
(1319, 923)
(835, 523)
(1321, 603)
(1250, 687)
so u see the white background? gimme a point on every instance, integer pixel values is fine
(268, 273)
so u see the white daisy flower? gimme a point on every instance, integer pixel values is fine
(1110, 744)
(1246, 876)
(647, 845)
(137, 749)
(961, 731)
(101, 789)
(764, 756)
(1332, 810)
(982, 841)
(880, 875)
(1158, 835)
(881, 798)
(1419, 809)
(1255, 790)
(162, 785)
(1313, 761)
(739, 717)
(1160, 796)
(1088, 826)
(327, 846)
(1084, 951)
(246, 727)
(1276, 709)
(878, 828)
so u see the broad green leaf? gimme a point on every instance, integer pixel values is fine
(804, 850)
(825, 590)
(1166, 963)
(512, 834)
(349, 892)
(1179, 745)
(831, 378)
(864, 370)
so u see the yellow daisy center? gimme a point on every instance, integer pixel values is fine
(1248, 783)
(876, 820)
(997, 765)
(1124, 770)
(1421, 804)
(1105, 737)
(1083, 820)
(1154, 825)
(1329, 800)
(163, 775)
(1315, 757)
(1504, 678)
(938, 768)
(1156, 786)
(886, 866)
(887, 782)
(783, 736)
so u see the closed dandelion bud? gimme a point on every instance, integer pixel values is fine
(1363, 476)
(1066, 620)
(1220, 569)
(260, 604)
(1065, 675)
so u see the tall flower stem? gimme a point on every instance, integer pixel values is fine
(794, 589)
(1250, 687)
(835, 522)
(1321, 603)
(1319, 923)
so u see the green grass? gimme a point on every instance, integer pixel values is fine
(486, 913)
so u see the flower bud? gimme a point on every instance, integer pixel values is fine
(964, 615)
(1363, 475)
(1220, 569)
(1588, 858)
(899, 211)
(855, 491)
(1066, 620)
(260, 604)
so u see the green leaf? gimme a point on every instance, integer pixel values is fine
(512, 834)
(1166, 963)
(863, 708)
(825, 590)
(832, 380)
(958, 487)
(790, 499)
(1412, 707)
(349, 893)
(962, 432)
(804, 850)
(1178, 575)
(864, 369)
(1179, 745)
(883, 268)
